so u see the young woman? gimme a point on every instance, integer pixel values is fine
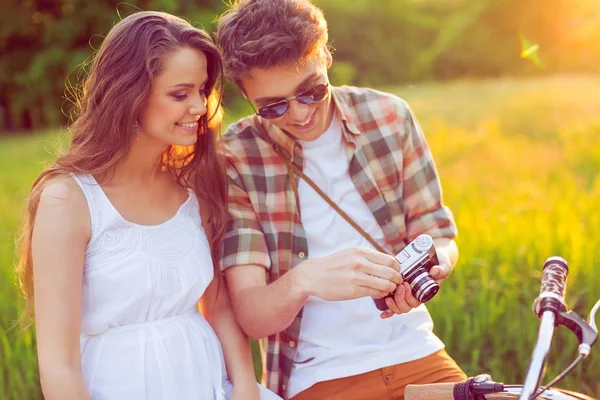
(117, 242)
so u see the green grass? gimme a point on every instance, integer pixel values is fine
(21, 159)
(519, 161)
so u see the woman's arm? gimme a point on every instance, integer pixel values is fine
(60, 234)
(217, 309)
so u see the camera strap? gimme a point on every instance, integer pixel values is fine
(294, 169)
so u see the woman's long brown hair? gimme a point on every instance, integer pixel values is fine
(113, 93)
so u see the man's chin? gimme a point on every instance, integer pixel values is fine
(308, 135)
(312, 136)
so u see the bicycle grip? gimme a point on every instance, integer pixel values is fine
(433, 391)
(552, 291)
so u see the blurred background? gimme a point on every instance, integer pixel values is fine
(507, 92)
(376, 42)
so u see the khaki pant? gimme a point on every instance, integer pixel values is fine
(387, 383)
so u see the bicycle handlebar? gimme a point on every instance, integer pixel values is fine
(550, 308)
(552, 291)
(488, 390)
(433, 391)
(547, 306)
(468, 390)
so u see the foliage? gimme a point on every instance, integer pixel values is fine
(44, 45)
(376, 43)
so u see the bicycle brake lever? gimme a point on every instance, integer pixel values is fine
(585, 334)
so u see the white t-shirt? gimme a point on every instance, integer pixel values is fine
(345, 338)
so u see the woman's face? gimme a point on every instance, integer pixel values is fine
(177, 99)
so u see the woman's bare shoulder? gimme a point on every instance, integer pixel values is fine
(62, 188)
(62, 199)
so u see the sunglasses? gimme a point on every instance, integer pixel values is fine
(309, 96)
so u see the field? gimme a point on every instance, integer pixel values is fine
(519, 161)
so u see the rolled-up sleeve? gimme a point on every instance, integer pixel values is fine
(244, 241)
(425, 211)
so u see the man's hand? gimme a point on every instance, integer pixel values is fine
(403, 300)
(443, 269)
(349, 274)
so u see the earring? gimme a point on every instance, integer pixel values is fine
(136, 130)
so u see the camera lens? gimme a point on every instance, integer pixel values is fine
(424, 287)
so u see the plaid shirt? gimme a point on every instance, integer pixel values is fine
(390, 165)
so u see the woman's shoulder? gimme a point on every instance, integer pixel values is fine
(62, 188)
(62, 197)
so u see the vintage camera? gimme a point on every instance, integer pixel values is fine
(415, 262)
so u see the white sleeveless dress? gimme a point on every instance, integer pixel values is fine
(142, 336)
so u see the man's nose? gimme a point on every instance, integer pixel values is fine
(297, 111)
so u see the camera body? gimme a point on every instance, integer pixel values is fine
(416, 259)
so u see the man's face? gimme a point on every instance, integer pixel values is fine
(303, 121)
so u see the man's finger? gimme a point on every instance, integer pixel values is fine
(440, 271)
(382, 272)
(377, 294)
(392, 306)
(379, 258)
(376, 283)
(400, 301)
(410, 299)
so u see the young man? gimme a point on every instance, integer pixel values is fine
(299, 273)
